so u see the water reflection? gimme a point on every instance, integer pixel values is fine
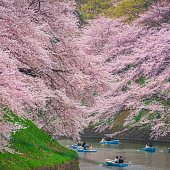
(141, 160)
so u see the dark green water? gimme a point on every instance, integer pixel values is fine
(140, 160)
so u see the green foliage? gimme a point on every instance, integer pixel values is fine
(141, 113)
(140, 81)
(91, 123)
(156, 115)
(108, 60)
(151, 116)
(111, 120)
(124, 69)
(129, 8)
(125, 88)
(95, 94)
(83, 103)
(94, 8)
(80, 17)
(147, 102)
(127, 67)
(36, 148)
(129, 82)
(81, 1)
(93, 114)
(165, 103)
(124, 52)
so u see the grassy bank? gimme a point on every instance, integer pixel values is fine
(35, 147)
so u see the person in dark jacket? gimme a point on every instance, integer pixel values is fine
(86, 147)
(79, 143)
(108, 139)
(150, 144)
(120, 159)
(83, 144)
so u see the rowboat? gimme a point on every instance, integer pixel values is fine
(83, 150)
(76, 147)
(109, 163)
(150, 149)
(110, 142)
(169, 150)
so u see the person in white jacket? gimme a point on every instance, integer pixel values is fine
(117, 159)
(103, 140)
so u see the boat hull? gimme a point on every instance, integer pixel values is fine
(150, 149)
(83, 150)
(169, 150)
(110, 142)
(76, 147)
(116, 164)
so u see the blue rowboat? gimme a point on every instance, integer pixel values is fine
(169, 150)
(76, 147)
(150, 149)
(83, 150)
(110, 142)
(116, 164)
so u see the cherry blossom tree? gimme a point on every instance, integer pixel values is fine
(134, 61)
(41, 74)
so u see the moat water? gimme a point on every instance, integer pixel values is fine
(136, 158)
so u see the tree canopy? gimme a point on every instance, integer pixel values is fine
(62, 77)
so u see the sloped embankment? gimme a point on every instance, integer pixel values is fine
(35, 150)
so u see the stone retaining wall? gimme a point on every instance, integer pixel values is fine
(70, 165)
(135, 133)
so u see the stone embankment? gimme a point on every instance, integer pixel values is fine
(70, 165)
(135, 133)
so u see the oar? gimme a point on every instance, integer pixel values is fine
(157, 149)
(69, 146)
(139, 149)
(130, 163)
(102, 164)
(109, 160)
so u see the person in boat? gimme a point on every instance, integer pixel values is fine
(108, 139)
(103, 140)
(117, 159)
(79, 143)
(120, 159)
(90, 148)
(85, 147)
(84, 143)
(76, 143)
(150, 144)
(147, 145)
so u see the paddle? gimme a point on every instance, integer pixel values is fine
(139, 149)
(157, 149)
(102, 164)
(109, 160)
(130, 163)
